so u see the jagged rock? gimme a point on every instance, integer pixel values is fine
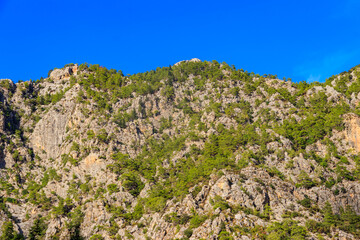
(352, 132)
(191, 60)
(49, 133)
(58, 74)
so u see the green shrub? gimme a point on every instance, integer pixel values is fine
(177, 219)
(102, 136)
(306, 202)
(132, 183)
(38, 229)
(188, 233)
(218, 202)
(8, 232)
(286, 230)
(112, 188)
(97, 237)
(305, 181)
(156, 204)
(197, 220)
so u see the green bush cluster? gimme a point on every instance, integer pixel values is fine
(286, 230)
(346, 220)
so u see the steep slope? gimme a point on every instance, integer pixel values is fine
(195, 150)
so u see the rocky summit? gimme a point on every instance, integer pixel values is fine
(197, 150)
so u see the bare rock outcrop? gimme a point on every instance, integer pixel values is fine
(58, 74)
(352, 131)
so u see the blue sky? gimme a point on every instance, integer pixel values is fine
(302, 40)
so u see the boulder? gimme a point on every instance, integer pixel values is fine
(66, 72)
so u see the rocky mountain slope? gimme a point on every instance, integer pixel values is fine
(198, 150)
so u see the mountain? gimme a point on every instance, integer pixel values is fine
(197, 150)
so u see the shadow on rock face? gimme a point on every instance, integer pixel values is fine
(2, 160)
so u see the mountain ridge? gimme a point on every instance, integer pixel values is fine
(195, 150)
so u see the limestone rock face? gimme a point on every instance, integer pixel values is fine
(49, 134)
(352, 131)
(191, 60)
(2, 122)
(58, 74)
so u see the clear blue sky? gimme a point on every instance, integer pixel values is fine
(303, 40)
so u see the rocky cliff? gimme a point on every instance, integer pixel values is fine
(198, 150)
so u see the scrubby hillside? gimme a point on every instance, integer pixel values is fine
(198, 150)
